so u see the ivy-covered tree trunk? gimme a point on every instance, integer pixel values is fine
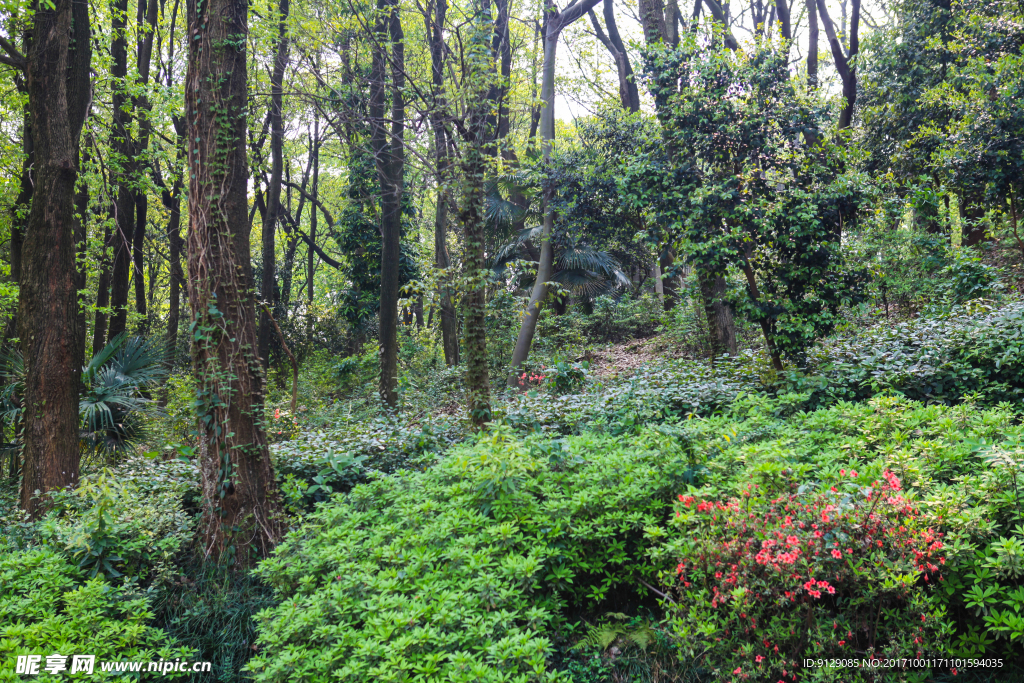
(475, 156)
(57, 70)
(241, 516)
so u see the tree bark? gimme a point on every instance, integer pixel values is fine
(721, 327)
(555, 22)
(57, 69)
(475, 156)
(241, 516)
(389, 154)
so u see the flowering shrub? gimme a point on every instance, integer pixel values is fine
(763, 583)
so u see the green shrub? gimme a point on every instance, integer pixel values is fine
(461, 572)
(46, 608)
(387, 442)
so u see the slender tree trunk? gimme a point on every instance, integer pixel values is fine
(81, 268)
(315, 191)
(57, 69)
(274, 183)
(389, 154)
(145, 22)
(556, 21)
(99, 327)
(122, 169)
(20, 213)
(442, 137)
(812, 44)
(241, 520)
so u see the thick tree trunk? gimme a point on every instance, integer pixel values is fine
(389, 154)
(721, 328)
(57, 67)
(241, 520)
(273, 212)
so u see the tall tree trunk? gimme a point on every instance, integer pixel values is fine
(313, 213)
(241, 516)
(122, 169)
(100, 322)
(479, 74)
(442, 137)
(555, 22)
(81, 268)
(721, 325)
(274, 183)
(145, 22)
(389, 155)
(57, 69)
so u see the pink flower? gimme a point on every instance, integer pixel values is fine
(277, 414)
(759, 659)
(738, 670)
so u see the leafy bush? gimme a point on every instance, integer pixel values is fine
(766, 582)
(461, 572)
(128, 522)
(45, 608)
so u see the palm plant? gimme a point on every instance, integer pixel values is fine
(114, 398)
(581, 270)
(117, 382)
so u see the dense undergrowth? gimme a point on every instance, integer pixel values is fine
(678, 523)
